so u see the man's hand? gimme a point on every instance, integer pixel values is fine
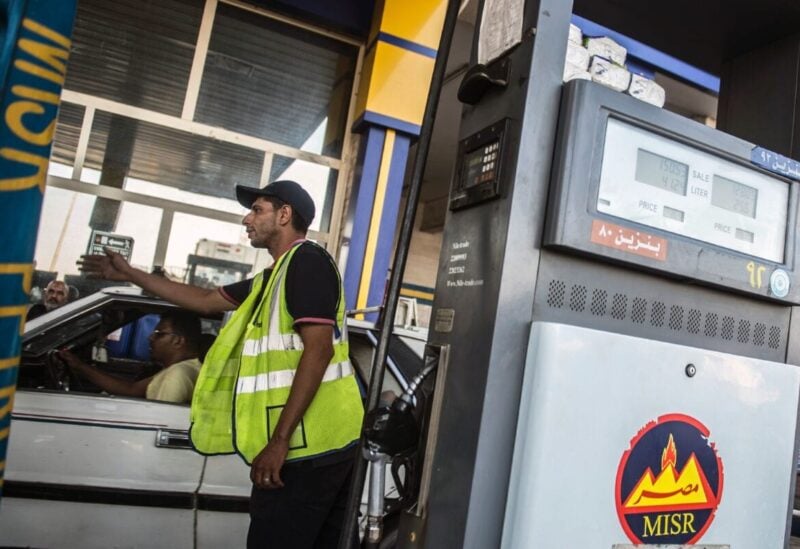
(72, 360)
(70, 363)
(266, 469)
(111, 266)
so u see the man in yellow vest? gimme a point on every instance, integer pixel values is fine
(277, 386)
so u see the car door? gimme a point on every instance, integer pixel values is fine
(222, 503)
(98, 471)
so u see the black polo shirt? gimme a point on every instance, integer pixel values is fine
(312, 286)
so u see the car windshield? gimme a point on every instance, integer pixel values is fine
(63, 334)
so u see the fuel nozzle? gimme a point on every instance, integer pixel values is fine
(406, 400)
(392, 429)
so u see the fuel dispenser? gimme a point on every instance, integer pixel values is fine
(616, 290)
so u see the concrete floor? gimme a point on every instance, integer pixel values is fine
(794, 543)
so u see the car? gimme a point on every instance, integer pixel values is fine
(87, 469)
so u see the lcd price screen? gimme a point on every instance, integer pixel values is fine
(662, 172)
(733, 196)
(473, 162)
(479, 166)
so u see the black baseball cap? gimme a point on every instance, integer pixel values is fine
(288, 191)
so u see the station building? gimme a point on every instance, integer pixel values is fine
(168, 104)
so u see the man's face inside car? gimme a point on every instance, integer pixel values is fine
(163, 342)
(55, 295)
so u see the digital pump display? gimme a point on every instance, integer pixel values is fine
(653, 180)
(734, 197)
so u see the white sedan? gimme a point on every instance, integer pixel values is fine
(86, 469)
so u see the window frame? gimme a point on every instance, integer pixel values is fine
(185, 123)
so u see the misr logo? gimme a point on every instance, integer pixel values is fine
(669, 483)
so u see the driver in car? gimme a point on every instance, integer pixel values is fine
(175, 344)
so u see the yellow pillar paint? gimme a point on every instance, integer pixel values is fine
(395, 78)
(375, 221)
(421, 25)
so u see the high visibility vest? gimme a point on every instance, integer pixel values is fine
(247, 376)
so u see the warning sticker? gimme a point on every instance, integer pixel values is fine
(669, 483)
(628, 240)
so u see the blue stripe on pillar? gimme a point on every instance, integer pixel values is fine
(388, 225)
(407, 44)
(368, 179)
(391, 122)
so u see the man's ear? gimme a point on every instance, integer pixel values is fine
(285, 214)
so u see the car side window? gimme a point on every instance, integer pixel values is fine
(123, 353)
(112, 336)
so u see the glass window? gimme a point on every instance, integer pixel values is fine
(134, 52)
(262, 78)
(59, 170)
(178, 195)
(140, 222)
(124, 147)
(271, 80)
(68, 130)
(189, 230)
(63, 230)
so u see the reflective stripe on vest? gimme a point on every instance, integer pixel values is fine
(284, 378)
(272, 342)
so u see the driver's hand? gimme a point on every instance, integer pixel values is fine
(71, 359)
(111, 266)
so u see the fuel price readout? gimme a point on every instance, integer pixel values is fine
(662, 172)
(651, 179)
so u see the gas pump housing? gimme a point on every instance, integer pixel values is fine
(602, 323)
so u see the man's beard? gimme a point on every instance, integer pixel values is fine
(50, 305)
(259, 242)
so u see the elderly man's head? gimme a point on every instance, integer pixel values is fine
(56, 294)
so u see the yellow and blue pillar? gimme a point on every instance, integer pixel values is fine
(393, 90)
(35, 38)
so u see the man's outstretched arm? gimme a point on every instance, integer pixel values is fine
(113, 266)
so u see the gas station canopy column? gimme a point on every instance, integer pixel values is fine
(402, 47)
